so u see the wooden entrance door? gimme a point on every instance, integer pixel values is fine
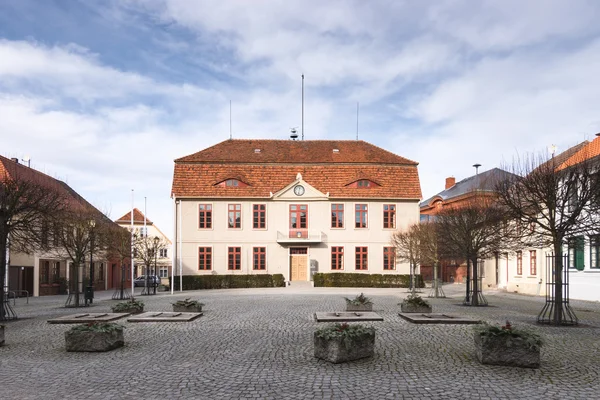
(299, 263)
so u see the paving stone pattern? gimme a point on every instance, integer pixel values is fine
(258, 344)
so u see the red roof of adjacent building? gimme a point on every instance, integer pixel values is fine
(12, 169)
(268, 166)
(588, 151)
(138, 218)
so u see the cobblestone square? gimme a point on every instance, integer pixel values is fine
(257, 344)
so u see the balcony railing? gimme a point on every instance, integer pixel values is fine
(300, 236)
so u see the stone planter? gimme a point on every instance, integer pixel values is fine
(1, 335)
(342, 349)
(93, 341)
(411, 308)
(359, 307)
(496, 351)
(194, 309)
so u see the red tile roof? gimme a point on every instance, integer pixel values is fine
(196, 175)
(586, 152)
(10, 169)
(138, 218)
(296, 151)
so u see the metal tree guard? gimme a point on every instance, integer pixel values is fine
(75, 299)
(121, 292)
(147, 285)
(482, 301)
(436, 288)
(412, 283)
(9, 313)
(546, 316)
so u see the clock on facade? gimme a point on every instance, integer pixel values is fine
(299, 190)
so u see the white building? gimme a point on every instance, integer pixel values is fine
(527, 271)
(292, 208)
(144, 226)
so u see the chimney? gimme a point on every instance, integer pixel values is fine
(450, 182)
(15, 160)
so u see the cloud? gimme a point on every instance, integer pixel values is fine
(447, 84)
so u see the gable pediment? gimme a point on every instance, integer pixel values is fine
(299, 189)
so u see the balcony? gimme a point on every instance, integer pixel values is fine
(301, 236)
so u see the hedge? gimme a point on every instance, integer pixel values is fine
(195, 282)
(365, 280)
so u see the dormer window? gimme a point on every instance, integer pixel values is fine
(363, 184)
(232, 183)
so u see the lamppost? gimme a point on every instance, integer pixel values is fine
(156, 240)
(90, 289)
(469, 296)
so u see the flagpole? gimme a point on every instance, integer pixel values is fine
(180, 248)
(132, 247)
(302, 106)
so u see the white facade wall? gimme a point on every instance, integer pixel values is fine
(220, 237)
(583, 285)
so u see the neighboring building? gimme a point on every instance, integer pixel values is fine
(292, 208)
(44, 273)
(143, 226)
(527, 272)
(473, 188)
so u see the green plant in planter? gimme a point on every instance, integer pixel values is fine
(415, 300)
(509, 335)
(105, 327)
(188, 303)
(361, 299)
(127, 306)
(344, 331)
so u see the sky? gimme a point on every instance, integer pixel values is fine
(105, 94)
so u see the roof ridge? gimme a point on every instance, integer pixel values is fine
(278, 151)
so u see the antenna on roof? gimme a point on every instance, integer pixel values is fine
(230, 131)
(302, 107)
(357, 104)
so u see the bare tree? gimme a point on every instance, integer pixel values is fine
(408, 250)
(78, 237)
(429, 244)
(27, 207)
(118, 245)
(473, 231)
(554, 202)
(146, 251)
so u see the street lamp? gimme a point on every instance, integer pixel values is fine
(90, 289)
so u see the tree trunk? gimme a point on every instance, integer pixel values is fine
(435, 280)
(3, 247)
(475, 296)
(558, 284)
(468, 296)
